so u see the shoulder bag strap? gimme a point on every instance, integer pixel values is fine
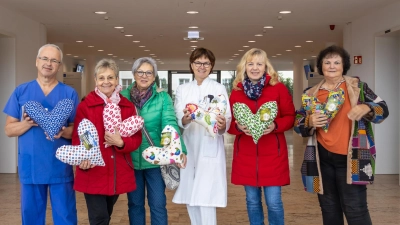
(144, 130)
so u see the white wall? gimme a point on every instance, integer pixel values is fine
(359, 39)
(28, 37)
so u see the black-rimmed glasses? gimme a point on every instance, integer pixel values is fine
(199, 64)
(45, 59)
(142, 73)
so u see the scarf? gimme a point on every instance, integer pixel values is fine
(253, 91)
(139, 98)
(114, 96)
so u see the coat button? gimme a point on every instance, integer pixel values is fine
(112, 156)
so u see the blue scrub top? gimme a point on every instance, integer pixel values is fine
(37, 163)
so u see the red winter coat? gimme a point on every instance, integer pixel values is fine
(117, 176)
(265, 163)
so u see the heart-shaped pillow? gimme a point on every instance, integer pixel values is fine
(255, 123)
(50, 121)
(207, 116)
(112, 119)
(89, 148)
(170, 153)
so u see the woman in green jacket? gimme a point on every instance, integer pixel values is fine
(157, 110)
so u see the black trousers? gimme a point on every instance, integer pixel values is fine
(100, 208)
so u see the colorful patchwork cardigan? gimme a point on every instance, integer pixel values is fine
(361, 151)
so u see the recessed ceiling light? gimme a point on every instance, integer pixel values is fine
(100, 12)
(76, 56)
(193, 27)
(115, 56)
(285, 12)
(121, 59)
(309, 41)
(79, 41)
(100, 50)
(194, 46)
(146, 50)
(240, 50)
(126, 61)
(152, 54)
(136, 41)
(297, 46)
(304, 59)
(158, 59)
(274, 56)
(313, 56)
(268, 27)
(278, 54)
(192, 12)
(258, 35)
(118, 27)
(142, 46)
(128, 35)
(109, 54)
(288, 50)
(193, 41)
(246, 46)
(252, 41)
(91, 46)
(230, 59)
(161, 63)
(235, 54)
(84, 59)
(68, 54)
(187, 53)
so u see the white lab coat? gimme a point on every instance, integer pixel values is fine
(203, 181)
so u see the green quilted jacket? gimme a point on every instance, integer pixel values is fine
(157, 112)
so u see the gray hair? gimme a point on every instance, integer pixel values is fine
(142, 60)
(106, 64)
(50, 45)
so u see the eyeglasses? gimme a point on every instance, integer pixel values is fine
(199, 64)
(142, 73)
(109, 78)
(45, 59)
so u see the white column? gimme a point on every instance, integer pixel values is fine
(88, 75)
(298, 76)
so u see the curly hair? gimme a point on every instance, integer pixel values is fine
(333, 51)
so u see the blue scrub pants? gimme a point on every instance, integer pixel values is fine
(34, 202)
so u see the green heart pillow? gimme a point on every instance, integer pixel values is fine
(258, 122)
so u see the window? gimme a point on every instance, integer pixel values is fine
(183, 81)
(125, 83)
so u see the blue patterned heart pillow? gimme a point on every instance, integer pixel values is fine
(50, 121)
(89, 149)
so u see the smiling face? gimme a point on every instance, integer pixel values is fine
(106, 81)
(255, 68)
(332, 66)
(48, 62)
(143, 77)
(201, 68)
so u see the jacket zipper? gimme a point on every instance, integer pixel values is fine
(279, 145)
(257, 155)
(115, 172)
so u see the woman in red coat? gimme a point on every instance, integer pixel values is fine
(102, 185)
(263, 166)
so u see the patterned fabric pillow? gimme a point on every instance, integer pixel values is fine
(169, 154)
(207, 117)
(112, 119)
(255, 123)
(51, 122)
(89, 148)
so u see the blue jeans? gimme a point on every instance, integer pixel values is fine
(339, 197)
(152, 179)
(273, 199)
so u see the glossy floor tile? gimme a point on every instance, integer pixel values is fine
(301, 208)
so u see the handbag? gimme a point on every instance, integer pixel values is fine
(170, 173)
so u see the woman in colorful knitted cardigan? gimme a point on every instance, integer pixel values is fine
(339, 160)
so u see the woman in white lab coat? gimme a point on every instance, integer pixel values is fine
(203, 182)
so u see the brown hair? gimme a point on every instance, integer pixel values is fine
(198, 53)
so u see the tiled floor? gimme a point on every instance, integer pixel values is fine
(301, 208)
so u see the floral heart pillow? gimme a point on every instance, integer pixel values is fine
(89, 148)
(50, 121)
(170, 153)
(207, 116)
(112, 119)
(255, 123)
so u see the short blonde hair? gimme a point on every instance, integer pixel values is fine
(106, 64)
(248, 56)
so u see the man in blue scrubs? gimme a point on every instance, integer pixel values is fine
(40, 172)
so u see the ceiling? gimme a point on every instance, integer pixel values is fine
(161, 25)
